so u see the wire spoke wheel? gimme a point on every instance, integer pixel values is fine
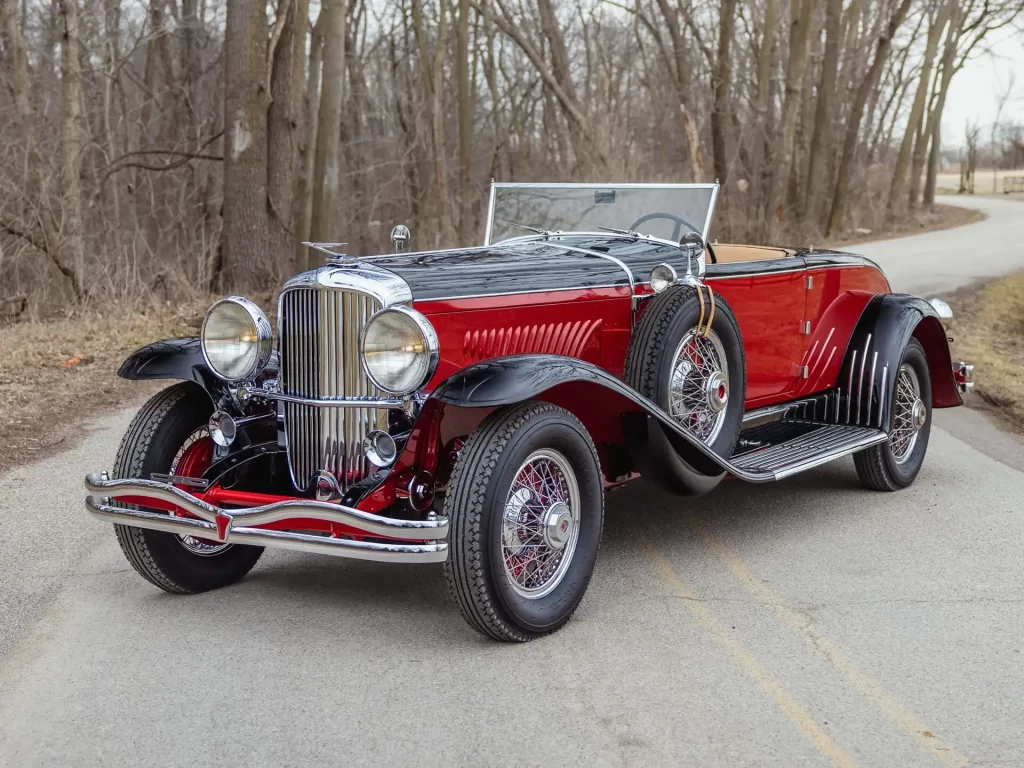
(909, 414)
(540, 523)
(699, 385)
(191, 460)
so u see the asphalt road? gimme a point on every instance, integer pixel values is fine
(803, 623)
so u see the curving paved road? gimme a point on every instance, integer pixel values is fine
(804, 623)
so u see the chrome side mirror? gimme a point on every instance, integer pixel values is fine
(400, 238)
(692, 244)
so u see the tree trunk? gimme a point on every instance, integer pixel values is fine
(801, 12)
(326, 168)
(73, 139)
(821, 140)
(935, 119)
(762, 107)
(246, 257)
(465, 105)
(723, 76)
(899, 176)
(287, 62)
(867, 84)
(302, 199)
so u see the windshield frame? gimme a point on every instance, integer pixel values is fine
(495, 185)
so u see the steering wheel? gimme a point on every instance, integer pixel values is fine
(680, 223)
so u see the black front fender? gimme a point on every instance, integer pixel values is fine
(170, 359)
(517, 378)
(179, 359)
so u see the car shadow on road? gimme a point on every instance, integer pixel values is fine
(389, 601)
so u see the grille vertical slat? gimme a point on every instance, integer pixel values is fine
(320, 331)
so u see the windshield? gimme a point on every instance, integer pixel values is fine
(669, 211)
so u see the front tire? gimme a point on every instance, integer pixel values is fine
(172, 419)
(526, 505)
(894, 464)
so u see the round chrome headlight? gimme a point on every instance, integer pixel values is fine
(237, 339)
(400, 350)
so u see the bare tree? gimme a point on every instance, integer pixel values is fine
(327, 163)
(246, 250)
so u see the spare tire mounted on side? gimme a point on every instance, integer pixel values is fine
(686, 354)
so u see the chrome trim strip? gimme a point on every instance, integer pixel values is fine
(849, 386)
(860, 380)
(331, 402)
(871, 387)
(608, 257)
(881, 400)
(376, 525)
(430, 552)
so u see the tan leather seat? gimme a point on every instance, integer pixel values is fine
(727, 253)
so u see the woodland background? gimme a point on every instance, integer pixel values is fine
(169, 148)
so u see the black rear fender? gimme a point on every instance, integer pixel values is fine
(874, 353)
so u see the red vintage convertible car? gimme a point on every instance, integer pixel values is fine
(472, 406)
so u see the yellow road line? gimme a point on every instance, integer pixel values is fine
(824, 743)
(833, 654)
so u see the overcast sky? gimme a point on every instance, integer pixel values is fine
(975, 90)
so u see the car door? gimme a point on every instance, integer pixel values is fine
(769, 300)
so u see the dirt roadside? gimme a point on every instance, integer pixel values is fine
(988, 326)
(57, 373)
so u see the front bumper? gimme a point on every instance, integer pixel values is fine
(416, 541)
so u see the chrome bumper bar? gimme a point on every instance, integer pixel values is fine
(425, 537)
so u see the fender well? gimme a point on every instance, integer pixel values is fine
(932, 336)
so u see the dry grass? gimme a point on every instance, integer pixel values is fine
(56, 372)
(988, 325)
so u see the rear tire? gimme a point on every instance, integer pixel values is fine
(894, 464)
(514, 570)
(157, 433)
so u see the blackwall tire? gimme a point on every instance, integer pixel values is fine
(669, 319)
(495, 512)
(894, 465)
(158, 431)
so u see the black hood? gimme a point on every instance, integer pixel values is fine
(527, 267)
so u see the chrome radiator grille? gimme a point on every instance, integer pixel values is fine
(320, 330)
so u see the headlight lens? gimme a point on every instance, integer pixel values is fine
(400, 350)
(237, 339)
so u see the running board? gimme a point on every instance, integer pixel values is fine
(779, 449)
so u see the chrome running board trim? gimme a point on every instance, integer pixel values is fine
(234, 525)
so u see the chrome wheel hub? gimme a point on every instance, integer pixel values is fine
(718, 392)
(558, 525)
(909, 414)
(540, 524)
(699, 385)
(919, 415)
